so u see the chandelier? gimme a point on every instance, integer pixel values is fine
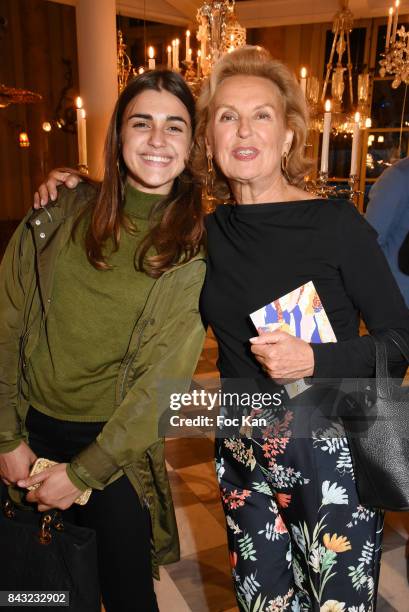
(234, 33)
(396, 56)
(337, 73)
(218, 32)
(124, 64)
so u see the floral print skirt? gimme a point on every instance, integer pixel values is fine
(298, 537)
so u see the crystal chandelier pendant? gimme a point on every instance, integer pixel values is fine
(339, 76)
(218, 32)
(395, 59)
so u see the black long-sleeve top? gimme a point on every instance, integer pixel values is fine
(259, 252)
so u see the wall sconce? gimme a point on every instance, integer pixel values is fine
(23, 140)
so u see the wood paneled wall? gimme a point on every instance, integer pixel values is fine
(38, 35)
(296, 45)
(35, 39)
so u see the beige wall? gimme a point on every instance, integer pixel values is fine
(297, 45)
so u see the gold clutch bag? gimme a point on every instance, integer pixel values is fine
(42, 464)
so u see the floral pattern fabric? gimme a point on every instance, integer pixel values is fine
(298, 537)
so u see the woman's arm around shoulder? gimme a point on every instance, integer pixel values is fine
(48, 190)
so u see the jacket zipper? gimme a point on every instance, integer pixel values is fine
(22, 364)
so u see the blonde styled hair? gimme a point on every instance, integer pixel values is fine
(254, 61)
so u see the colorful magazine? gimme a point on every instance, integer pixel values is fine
(301, 314)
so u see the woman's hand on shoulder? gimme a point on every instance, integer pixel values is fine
(48, 189)
(283, 356)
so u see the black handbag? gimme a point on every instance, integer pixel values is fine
(42, 552)
(377, 429)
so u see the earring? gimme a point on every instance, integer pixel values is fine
(284, 164)
(209, 180)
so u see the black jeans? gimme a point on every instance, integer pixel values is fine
(122, 525)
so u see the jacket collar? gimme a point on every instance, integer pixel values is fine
(45, 225)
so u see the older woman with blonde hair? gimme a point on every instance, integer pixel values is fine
(298, 537)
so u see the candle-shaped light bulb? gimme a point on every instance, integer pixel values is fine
(141, 70)
(177, 44)
(199, 63)
(187, 45)
(151, 61)
(169, 57)
(368, 123)
(303, 80)
(325, 137)
(355, 145)
(174, 54)
(395, 21)
(81, 133)
(389, 28)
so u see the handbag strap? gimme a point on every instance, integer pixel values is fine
(48, 519)
(383, 380)
(400, 343)
(381, 370)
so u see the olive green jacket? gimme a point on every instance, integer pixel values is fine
(163, 351)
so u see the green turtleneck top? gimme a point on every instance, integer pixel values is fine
(74, 368)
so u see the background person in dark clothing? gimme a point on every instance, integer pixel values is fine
(388, 213)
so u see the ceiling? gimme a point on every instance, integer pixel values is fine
(252, 13)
